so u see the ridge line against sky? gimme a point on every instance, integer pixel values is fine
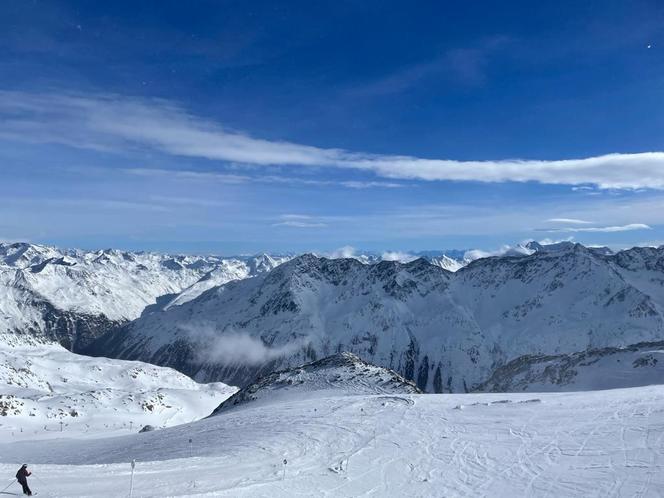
(111, 123)
(349, 252)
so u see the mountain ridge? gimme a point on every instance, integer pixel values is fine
(340, 373)
(446, 331)
(72, 296)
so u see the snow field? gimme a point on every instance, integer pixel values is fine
(49, 392)
(604, 443)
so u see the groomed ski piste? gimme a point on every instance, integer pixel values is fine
(349, 440)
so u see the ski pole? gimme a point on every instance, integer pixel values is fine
(6, 488)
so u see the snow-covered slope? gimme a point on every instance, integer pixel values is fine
(601, 443)
(44, 386)
(446, 331)
(72, 296)
(340, 373)
(226, 271)
(607, 368)
(305, 309)
(447, 263)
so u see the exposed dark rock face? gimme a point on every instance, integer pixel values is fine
(631, 366)
(74, 331)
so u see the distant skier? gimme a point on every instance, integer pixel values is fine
(22, 477)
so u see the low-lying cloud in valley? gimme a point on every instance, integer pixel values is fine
(231, 347)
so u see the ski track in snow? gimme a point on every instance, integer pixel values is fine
(603, 443)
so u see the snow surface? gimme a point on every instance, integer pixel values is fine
(342, 372)
(447, 263)
(44, 386)
(590, 444)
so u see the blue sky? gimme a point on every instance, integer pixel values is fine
(236, 127)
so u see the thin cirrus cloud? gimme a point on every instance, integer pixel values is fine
(298, 221)
(608, 229)
(229, 178)
(112, 123)
(570, 221)
(299, 224)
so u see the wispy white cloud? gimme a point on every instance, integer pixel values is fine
(300, 224)
(517, 250)
(364, 185)
(547, 241)
(402, 257)
(608, 229)
(299, 221)
(295, 217)
(343, 253)
(230, 178)
(570, 221)
(187, 201)
(188, 175)
(651, 243)
(101, 204)
(234, 347)
(111, 122)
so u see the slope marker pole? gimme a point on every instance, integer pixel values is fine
(131, 479)
(191, 455)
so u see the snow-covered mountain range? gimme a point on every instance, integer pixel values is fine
(446, 331)
(73, 296)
